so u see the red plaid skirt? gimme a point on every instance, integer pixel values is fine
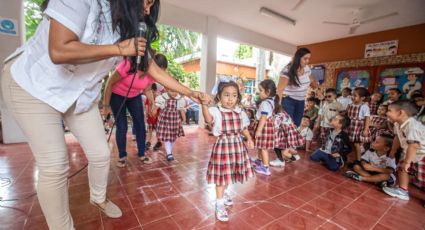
(169, 126)
(287, 134)
(229, 162)
(152, 126)
(267, 136)
(417, 170)
(355, 132)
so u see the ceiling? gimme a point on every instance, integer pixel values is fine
(309, 16)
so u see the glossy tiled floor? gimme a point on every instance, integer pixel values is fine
(303, 195)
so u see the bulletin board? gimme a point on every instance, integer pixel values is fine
(354, 77)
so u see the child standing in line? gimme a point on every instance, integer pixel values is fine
(152, 119)
(306, 132)
(410, 135)
(169, 121)
(330, 108)
(335, 149)
(288, 138)
(265, 131)
(394, 94)
(377, 121)
(229, 162)
(359, 115)
(376, 166)
(345, 98)
(375, 102)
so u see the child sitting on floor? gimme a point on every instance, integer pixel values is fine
(375, 165)
(306, 133)
(410, 135)
(336, 147)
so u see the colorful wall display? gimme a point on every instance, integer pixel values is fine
(406, 79)
(380, 49)
(352, 78)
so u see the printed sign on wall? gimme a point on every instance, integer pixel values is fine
(381, 49)
(8, 26)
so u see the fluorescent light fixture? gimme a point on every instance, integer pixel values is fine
(271, 13)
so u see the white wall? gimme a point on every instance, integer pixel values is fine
(10, 9)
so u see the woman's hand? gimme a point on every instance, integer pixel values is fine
(205, 98)
(132, 47)
(106, 110)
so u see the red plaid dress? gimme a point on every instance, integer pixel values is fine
(169, 122)
(267, 137)
(377, 121)
(417, 170)
(229, 162)
(355, 130)
(287, 134)
(373, 108)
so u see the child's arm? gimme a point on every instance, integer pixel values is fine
(366, 126)
(410, 156)
(183, 114)
(250, 142)
(307, 146)
(260, 126)
(395, 147)
(207, 116)
(369, 167)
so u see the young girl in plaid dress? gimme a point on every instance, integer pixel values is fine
(288, 138)
(229, 162)
(377, 121)
(265, 132)
(359, 115)
(169, 126)
(375, 100)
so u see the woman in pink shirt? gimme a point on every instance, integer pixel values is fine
(116, 89)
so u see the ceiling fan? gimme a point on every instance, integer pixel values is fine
(356, 23)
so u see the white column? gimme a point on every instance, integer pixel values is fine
(9, 42)
(208, 59)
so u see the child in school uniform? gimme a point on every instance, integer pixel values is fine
(377, 121)
(152, 119)
(329, 109)
(375, 102)
(288, 138)
(394, 94)
(306, 133)
(410, 135)
(359, 115)
(375, 165)
(170, 127)
(311, 110)
(345, 98)
(336, 147)
(229, 162)
(265, 132)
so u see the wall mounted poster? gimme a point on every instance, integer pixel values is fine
(347, 78)
(318, 72)
(406, 79)
(380, 49)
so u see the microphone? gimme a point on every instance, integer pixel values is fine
(142, 32)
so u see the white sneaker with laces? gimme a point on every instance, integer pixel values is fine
(277, 163)
(221, 213)
(227, 199)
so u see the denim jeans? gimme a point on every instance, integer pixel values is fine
(294, 108)
(192, 114)
(135, 106)
(330, 162)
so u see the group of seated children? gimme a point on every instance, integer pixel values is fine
(381, 134)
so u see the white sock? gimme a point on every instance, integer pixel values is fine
(168, 147)
(220, 202)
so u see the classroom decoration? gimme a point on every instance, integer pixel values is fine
(352, 78)
(406, 79)
(380, 49)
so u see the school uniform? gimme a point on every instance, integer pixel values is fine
(377, 121)
(229, 162)
(373, 107)
(267, 137)
(371, 157)
(345, 101)
(287, 134)
(357, 115)
(413, 131)
(169, 126)
(328, 111)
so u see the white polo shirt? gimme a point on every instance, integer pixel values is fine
(411, 131)
(61, 86)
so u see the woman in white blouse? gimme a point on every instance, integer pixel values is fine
(294, 81)
(57, 76)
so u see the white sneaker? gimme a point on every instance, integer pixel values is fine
(221, 213)
(277, 163)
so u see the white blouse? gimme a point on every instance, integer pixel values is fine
(217, 118)
(62, 85)
(161, 101)
(266, 108)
